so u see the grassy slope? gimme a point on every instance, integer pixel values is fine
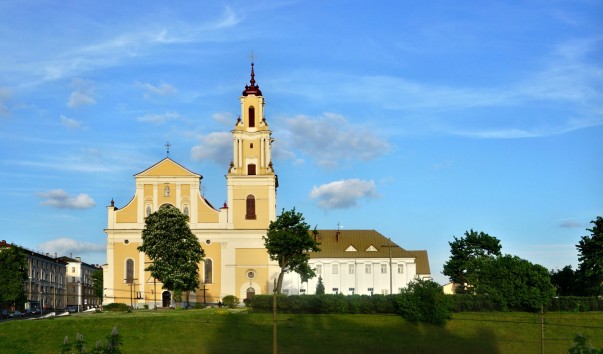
(219, 331)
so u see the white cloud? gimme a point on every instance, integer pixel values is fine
(343, 194)
(59, 198)
(216, 146)
(162, 89)
(70, 123)
(159, 118)
(66, 246)
(331, 138)
(83, 94)
(225, 118)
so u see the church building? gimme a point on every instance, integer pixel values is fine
(236, 262)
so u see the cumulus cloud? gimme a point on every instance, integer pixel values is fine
(343, 194)
(216, 146)
(65, 246)
(162, 89)
(70, 123)
(83, 93)
(331, 138)
(59, 198)
(159, 118)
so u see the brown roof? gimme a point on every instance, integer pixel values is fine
(367, 244)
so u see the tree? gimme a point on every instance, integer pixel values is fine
(590, 256)
(175, 252)
(97, 283)
(424, 301)
(515, 283)
(288, 242)
(320, 287)
(466, 256)
(564, 281)
(13, 273)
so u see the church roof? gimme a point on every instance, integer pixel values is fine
(365, 244)
(167, 167)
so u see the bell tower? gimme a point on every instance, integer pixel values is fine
(251, 179)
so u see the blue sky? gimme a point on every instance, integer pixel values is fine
(418, 119)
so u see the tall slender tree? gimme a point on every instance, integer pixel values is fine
(289, 242)
(174, 251)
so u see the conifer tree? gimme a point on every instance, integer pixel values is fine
(320, 287)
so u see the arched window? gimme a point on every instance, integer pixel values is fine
(250, 214)
(130, 271)
(251, 117)
(208, 271)
(251, 169)
(250, 293)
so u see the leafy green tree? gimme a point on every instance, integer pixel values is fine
(13, 273)
(288, 242)
(97, 283)
(175, 252)
(515, 283)
(424, 301)
(320, 287)
(590, 256)
(466, 256)
(565, 281)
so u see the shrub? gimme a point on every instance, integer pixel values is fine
(117, 307)
(424, 301)
(110, 345)
(230, 301)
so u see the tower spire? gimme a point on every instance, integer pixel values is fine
(252, 89)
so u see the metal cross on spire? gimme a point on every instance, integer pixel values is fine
(167, 148)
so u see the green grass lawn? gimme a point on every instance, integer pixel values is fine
(224, 331)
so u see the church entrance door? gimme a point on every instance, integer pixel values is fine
(167, 298)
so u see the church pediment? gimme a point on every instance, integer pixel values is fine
(167, 167)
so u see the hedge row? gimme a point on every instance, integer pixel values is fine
(576, 304)
(366, 304)
(326, 303)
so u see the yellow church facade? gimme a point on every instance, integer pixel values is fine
(236, 262)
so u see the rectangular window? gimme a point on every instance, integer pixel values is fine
(335, 268)
(286, 291)
(73, 279)
(367, 268)
(335, 290)
(351, 290)
(72, 269)
(370, 290)
(302, 291)
(384, 269)
(351, 268)
(400, 268)
(318, 269)
(384, 291)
